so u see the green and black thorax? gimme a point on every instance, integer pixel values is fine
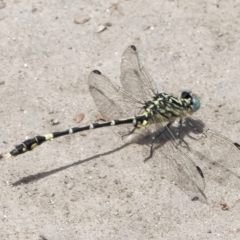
(166, 108)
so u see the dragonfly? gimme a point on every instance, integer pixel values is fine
(173, 140)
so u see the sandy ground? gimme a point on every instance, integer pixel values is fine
(86, 186)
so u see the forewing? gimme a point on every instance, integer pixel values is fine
(134, 77)
(112, 101)
(106, 96)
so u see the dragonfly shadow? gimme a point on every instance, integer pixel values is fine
(41, 175)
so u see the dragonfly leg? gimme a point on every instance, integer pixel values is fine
(154, 138)
(179, 134)
(127, 134)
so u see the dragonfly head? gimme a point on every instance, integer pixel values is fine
(193, 99)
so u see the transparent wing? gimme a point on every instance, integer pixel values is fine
(134, 77)
(177, 166)
(213, 146)
(112, 101)
(218, 154)
(174, 164)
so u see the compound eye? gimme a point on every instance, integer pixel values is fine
(195, 102)
(186, 94)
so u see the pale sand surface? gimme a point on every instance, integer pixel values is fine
(110, 193)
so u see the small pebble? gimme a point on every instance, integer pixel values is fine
(79, 117)
(101, 28)
(81, 20)
(70, 185)
(100, 117)
(54, 122)
(224, 206)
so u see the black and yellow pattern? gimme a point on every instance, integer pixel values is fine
(165, 109)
